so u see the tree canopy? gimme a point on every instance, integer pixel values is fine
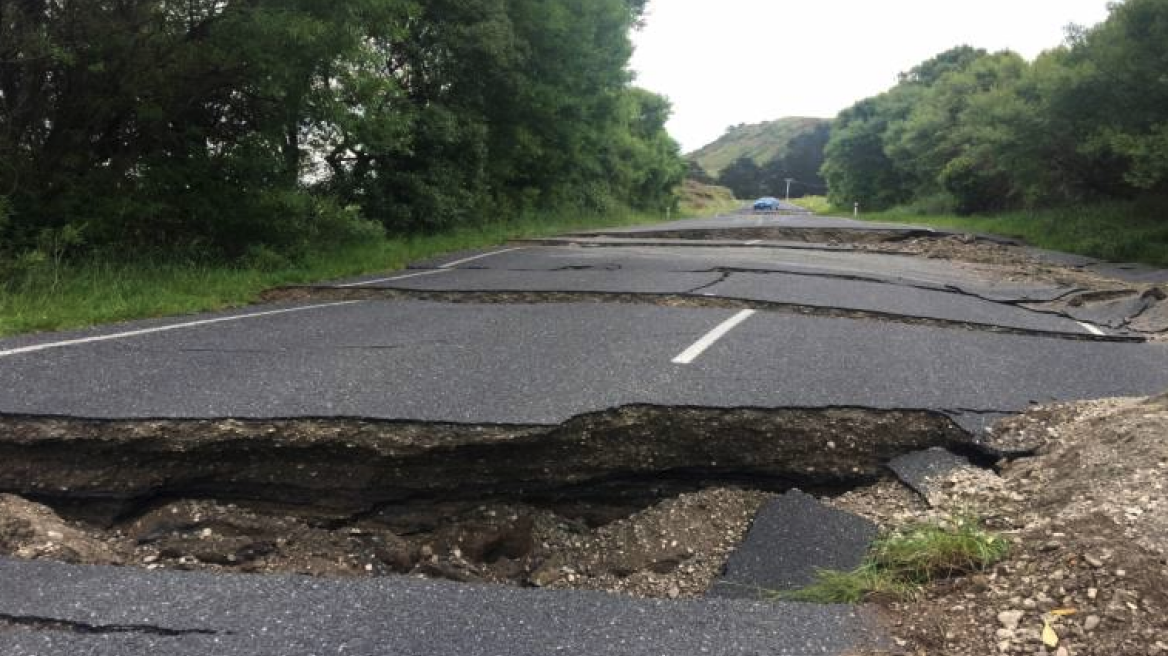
(978, 131)
(215, 127)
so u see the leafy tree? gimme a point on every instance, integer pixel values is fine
(219, 127)
(988, 132)
(743, 177)
(1122, 95)
(801, 164)
(857, 168)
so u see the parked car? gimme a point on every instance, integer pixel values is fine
(767, 204)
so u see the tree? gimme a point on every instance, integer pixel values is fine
(216, 127)
(743, 177)
(801, 163)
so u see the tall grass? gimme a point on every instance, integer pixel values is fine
(79, 294)
(1118, 231)
(901, 562)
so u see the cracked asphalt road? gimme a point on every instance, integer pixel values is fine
(922, 273)
(542, 364)
(495, 361)
(119, 612)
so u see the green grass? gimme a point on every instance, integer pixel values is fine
(1117, 231)
(88, 293)
(900, 563)
(817, 204)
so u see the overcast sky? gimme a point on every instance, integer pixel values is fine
(726, 62)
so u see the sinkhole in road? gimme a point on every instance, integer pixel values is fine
(641, 499)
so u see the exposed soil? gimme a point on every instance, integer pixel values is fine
(642, 500)
(959, 248)
(672, 549)
(1088, 515)
(627, 457)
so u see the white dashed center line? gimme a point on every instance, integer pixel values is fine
(161, 329)
(694, 352)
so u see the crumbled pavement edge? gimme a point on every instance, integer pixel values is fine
(1087, 516)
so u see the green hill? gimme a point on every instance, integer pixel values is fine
(761, 142)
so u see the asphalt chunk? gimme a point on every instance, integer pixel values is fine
(793, 537)
(917, 469)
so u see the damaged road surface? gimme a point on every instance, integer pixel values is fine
(601, 413)
(198, 614)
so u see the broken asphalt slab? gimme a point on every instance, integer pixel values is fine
(795, 227)
(62, 610)
(792, 538)
(543, 364)
(770, 289)
(1120, 310)
(615, 241)
(886, 299)
(939, 275)
(917, 469)
(601, 281)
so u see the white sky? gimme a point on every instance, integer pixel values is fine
(724, 62)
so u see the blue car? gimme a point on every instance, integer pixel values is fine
(767, 204)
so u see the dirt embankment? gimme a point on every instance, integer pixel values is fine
(1088, 516)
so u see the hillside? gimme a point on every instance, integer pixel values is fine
(761, 142)
(700, 200)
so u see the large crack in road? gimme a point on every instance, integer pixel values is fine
(770, 233)
(524, 505)
(692, 299)
(642, 499)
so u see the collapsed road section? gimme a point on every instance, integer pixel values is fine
(527, 505)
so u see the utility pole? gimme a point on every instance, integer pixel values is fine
(789, 181)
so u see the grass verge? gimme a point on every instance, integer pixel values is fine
(900, 563)
(83, 294)
(1117, 231)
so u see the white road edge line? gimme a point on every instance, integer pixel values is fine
(699, 347)
(1094, 330)
(161, 329)
(429, 272)
(442, 269)
(451, 265)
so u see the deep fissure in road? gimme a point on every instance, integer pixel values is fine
(638, 493)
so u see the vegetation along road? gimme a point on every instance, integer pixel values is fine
(361, 328)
